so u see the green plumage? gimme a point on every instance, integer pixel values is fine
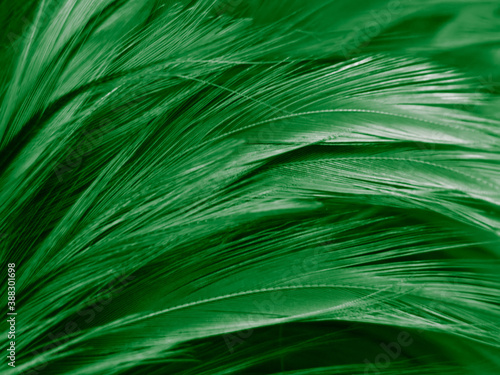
(249, 187)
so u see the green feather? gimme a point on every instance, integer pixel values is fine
(230, 187)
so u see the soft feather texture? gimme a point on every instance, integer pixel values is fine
(204, 188)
